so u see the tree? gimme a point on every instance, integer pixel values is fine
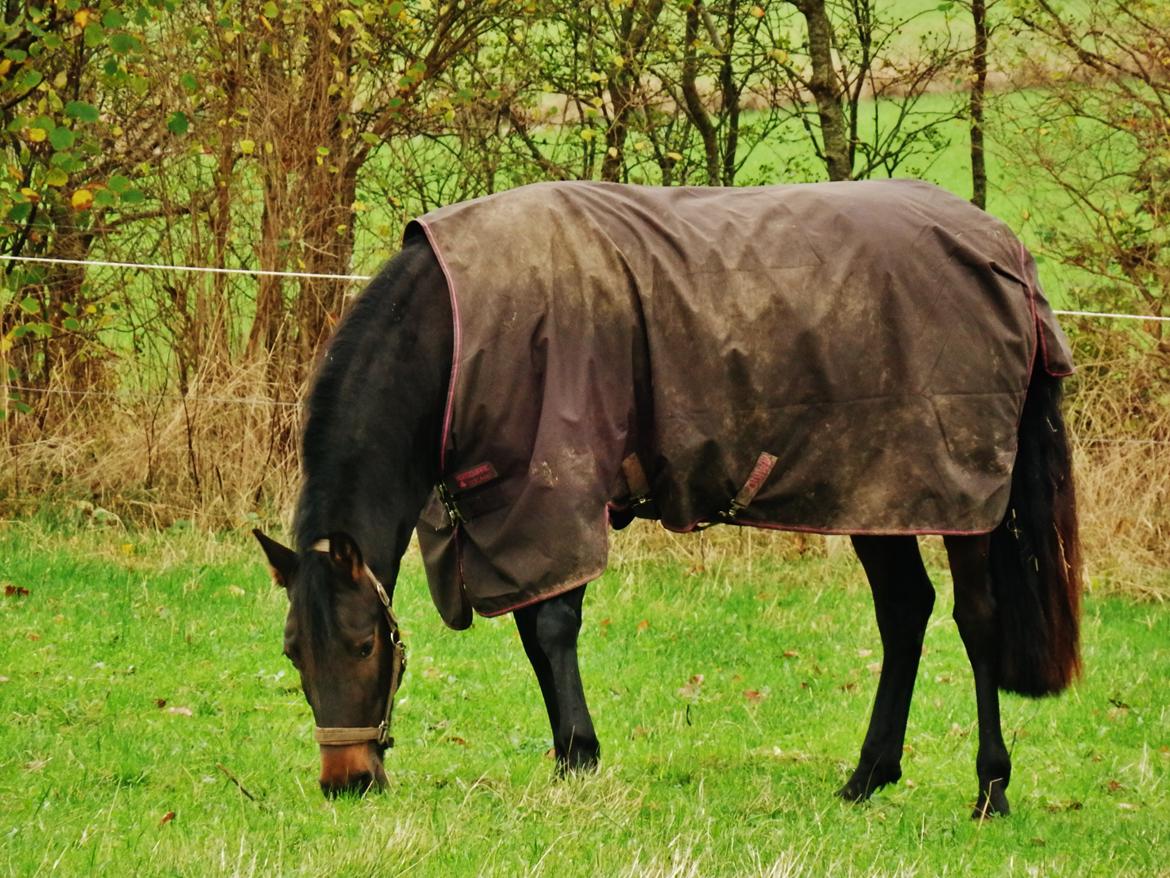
(81, 121)
(1099, 135)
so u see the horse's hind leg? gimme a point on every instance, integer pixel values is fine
(975, 615)
(902, 598)
(549, 632)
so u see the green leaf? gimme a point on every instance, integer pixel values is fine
(62, 138)
(71, 323)
(30, 80)
(178, 123)
(133, 196)
(270, 10)
(81, 111)
(104, 198)
(20, 212)
(123, 43)
(67, 162)
(30, 305)
(113, 19)
(189, 82)
(118, 183)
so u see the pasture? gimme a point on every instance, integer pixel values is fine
(152, 727)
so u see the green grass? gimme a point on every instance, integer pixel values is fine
(728, 777)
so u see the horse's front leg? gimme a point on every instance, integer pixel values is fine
(976, 616)
(902, 599)
(549, 632)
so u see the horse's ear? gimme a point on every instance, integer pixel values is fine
(282, 560)
(346, 556)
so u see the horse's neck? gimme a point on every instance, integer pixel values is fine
(371, 444)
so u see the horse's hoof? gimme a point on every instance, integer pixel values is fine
(864, 782)
(991, 803)
(578, 761)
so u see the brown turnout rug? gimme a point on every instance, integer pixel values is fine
(832, 357)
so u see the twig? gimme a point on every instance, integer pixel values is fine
(239, 785)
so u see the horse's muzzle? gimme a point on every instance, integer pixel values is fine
(352, 769)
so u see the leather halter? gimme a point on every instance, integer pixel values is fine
(342, 735)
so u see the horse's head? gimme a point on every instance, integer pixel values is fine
(342, 637)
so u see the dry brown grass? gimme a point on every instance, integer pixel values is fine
(225, 455)
(215, 456)
(1119, 415)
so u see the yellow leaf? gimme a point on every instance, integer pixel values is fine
(674, 156)
(30, 194)
(757, 11)
(247, 147)
(588, 134)
(5, 66)
(36, 135)
(612, 152)
(81, 199)
(127, 548)
(81, 17)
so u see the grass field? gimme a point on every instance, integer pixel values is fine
(140, 674)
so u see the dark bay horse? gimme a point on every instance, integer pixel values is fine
(378, 404)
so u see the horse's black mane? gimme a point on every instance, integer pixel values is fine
(357, 400)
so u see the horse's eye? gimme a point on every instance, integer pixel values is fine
(366, 648)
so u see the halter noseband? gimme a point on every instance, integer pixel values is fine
(340, 736)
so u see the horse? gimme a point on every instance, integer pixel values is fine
(537, 366)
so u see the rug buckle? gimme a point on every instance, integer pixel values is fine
(449, 504)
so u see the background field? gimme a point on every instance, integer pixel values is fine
(142, 672)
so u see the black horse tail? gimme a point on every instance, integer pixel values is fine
(1035, 555)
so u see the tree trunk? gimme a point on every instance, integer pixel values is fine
(693, 102)
(826, 88)
(978, 92)
(623, 84)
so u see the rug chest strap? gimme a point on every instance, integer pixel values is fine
(473, 492)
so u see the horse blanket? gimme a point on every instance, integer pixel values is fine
(833, 357)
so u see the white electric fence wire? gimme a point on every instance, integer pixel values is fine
(1063, 313)
(204, 269)
(312, 275)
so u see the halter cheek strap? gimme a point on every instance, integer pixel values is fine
(380, 734)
